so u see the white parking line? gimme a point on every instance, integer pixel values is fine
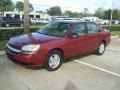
(113, 50)
(101, 69)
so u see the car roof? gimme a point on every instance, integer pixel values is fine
(72, 21)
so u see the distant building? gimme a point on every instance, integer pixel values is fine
(20, 15)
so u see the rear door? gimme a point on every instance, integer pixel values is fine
(93, 36)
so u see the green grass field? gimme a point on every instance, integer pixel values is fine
(115, 33)
(115, 29)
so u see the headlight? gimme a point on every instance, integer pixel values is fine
(31, 48)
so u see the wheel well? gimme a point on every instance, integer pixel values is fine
(58, 49)
(104, 42)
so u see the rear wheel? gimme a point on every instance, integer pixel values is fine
(21, 25)
(53, 60)
(7, 25)
(101, 48)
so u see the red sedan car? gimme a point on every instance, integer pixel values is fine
(56, 41)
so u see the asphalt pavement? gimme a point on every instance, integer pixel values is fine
(90, 72)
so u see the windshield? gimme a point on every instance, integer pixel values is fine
(55, 29)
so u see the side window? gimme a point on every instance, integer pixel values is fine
(92, 28)
(79, 29)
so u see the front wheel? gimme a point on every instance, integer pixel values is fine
(101, 49)
(53, 60)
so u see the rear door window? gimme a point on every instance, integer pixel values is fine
(92, 28)
(79, 29)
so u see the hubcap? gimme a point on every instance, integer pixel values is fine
(101, 48)
(7, 25)
(54, 61)
(21, 25)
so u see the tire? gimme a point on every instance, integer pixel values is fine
(7, 25)
(21, 25)
(51, 63)
(101, 48)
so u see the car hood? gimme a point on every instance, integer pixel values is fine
(32, 38)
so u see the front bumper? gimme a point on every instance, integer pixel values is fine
(29, 60)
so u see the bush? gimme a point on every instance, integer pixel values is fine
(3, 44)
(6, 34)
(113, 28)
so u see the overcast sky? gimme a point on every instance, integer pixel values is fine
(74, 5)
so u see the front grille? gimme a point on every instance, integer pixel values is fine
(13, 46)
(19, 62)
(13, 49)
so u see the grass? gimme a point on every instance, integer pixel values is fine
(112, 25)
(2, 45)
(115, 33)
(15, 27)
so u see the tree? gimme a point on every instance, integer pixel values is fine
(71, 14)
(20, 6)
(116, 14)
(6, 5)
(107, 14)
(99, 12)
(39, 11)
(31, 8)
(54, 11)
(85, 12)
(26, 16)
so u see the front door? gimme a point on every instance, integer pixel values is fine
(77, 45)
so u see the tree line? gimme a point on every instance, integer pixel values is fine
(100, 12)
(7, 5)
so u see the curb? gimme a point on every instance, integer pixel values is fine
(114, 36)
(2, 52)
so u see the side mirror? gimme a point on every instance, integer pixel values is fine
(73, 35)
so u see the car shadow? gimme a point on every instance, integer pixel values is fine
(64, 61)
(78, 57)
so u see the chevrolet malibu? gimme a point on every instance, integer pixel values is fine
(58, 40)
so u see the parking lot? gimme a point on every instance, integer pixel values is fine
(90, 72)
